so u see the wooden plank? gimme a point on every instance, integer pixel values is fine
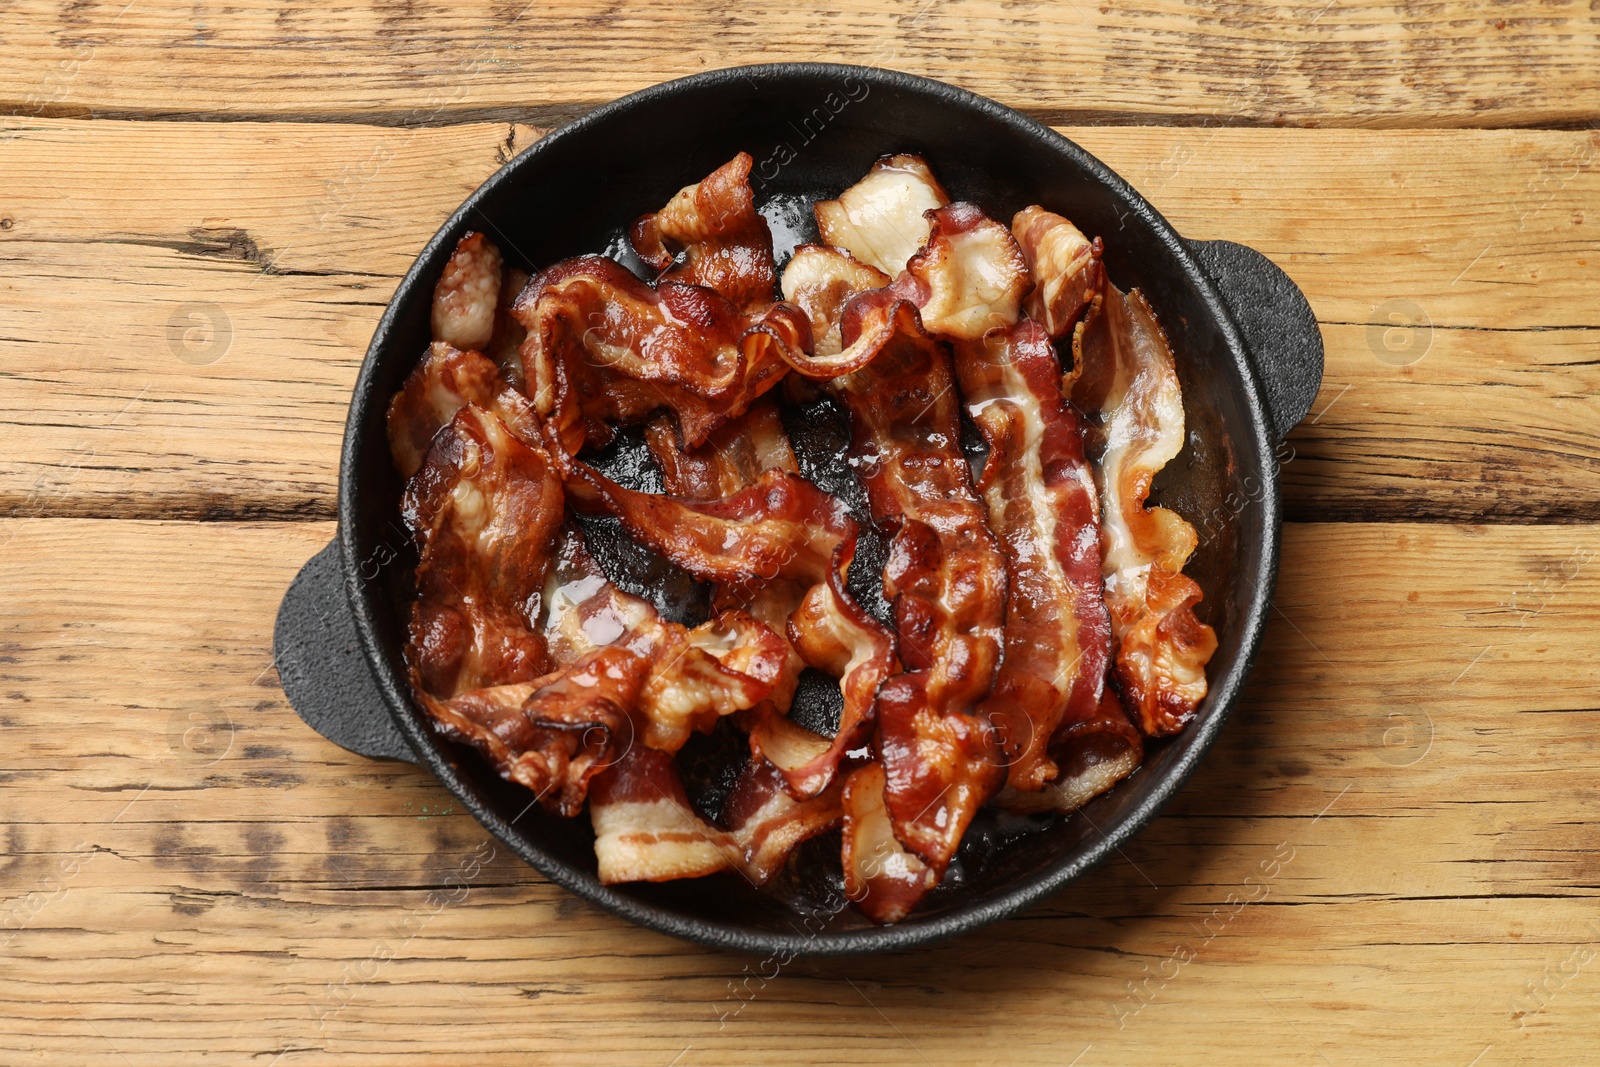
(1412, 763)
(287, 240)
(1356, 62)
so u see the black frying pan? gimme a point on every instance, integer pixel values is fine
(1249, 355)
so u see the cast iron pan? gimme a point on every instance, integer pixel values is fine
(1249, 355)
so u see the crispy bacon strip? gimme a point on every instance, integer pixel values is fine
(484, 510)
(780, 529)
(1123, 370)
(881, 219)
(447, 380)
(645, 829)
(1065, 266)
(946, 578)
(1094, 754)
(728, 246)
(465, 298)
(968, 278)
(604, 348)
(881, 877)
(765, 823)
(1044, 508)
(821, 281)
(554, 734)
(694, 676)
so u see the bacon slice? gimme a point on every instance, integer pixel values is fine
(447, 380)
(1065, 267)
(484, 510)
(946, 579)
(765, 823)
(694, 676)
(728, 246)
(732, 458)
(1094, 754)
(881, 877)
(645, 829)
(880, 220)
(821, 281)
(969, 277)
(465, 298)
(554, 734)
(604, 348)
(1044, 507)
(1123, 370)
(781, 529)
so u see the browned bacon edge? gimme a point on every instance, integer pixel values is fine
(604, 348)
(1124, 370)
(945, 578)
(727, 244)
(1044, 508)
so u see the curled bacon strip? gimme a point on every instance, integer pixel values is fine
(728, 244)
(484, 510)
(782, 528)
(1123, 369)
(647, 830)
(881, 219)
(1065, 265)
(881, 877)
(694, 676)
(1094, 754)
(766, 823)
(467, 294)
(821, 281)
(604, 348)
(447, 380)
(969, 277)
(946, 579)
(1044, 507)
(554, 734)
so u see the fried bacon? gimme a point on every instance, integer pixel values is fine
(645, 829)
(1044, 508)
(484, 510)
(781, 529)
(880, 220)
(1094, 754)
(1123, 370)
(554, 734)
(605, 348)
(968, 278)
(765, 823)
(821, 281)
(447, 380)
(881, 877)
(945, 578)
(727, 244)
(1065, 266)
(467, 295)
(694, 676)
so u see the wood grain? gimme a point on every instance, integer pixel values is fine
(271, 249)
(1354, 62)
(1415, 750)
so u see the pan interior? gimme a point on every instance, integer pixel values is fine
(813, 131)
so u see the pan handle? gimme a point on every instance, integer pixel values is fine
(322, 667)
(1279, 329)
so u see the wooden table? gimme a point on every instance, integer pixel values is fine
(203, 210)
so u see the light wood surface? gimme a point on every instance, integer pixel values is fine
(204, 208)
